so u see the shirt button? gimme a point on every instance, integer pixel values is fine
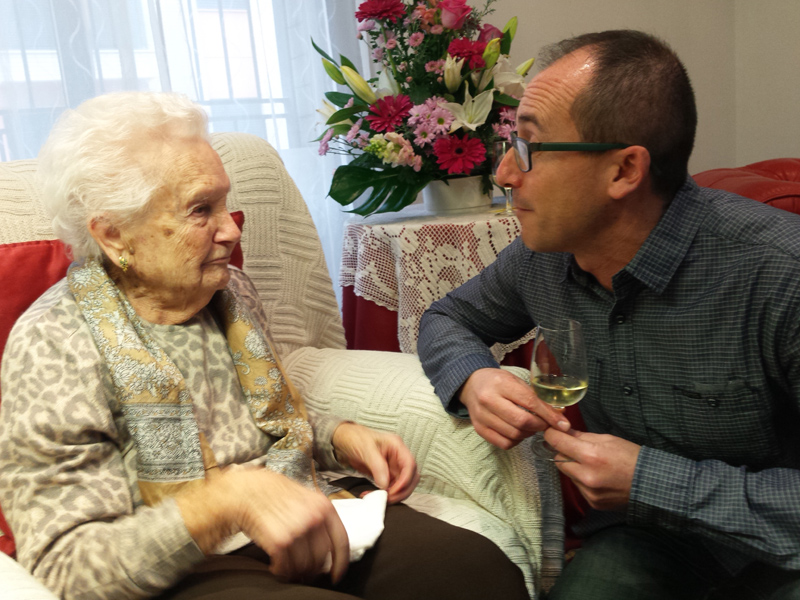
(713, 402)
(627, 390)
(620, 319)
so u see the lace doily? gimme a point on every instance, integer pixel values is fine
(407, 260)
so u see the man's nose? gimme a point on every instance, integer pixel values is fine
(508, 172)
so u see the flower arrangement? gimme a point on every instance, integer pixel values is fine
(444, 92)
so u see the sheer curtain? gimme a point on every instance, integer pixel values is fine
(250, 63)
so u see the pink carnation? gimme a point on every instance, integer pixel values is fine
(323, 143)
(415, 39)
(503, 130)
(435, 66)
(380, 10)
(469, 50)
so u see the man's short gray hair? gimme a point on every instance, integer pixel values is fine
(98, 160)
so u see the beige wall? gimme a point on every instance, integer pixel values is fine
(767, 79)
(743, 57)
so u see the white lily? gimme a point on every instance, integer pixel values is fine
(481, 79)
(387, 85)
(473, 113)
(507, 80)
(327, 111)
(452, 73)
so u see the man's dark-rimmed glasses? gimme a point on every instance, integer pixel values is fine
(523, 149)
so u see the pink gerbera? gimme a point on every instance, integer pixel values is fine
(388, 112)
(459, 155)
(381, 10)
(471, 51)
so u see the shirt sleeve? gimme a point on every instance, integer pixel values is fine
(456, 332)
(754, 513)
(78, 522)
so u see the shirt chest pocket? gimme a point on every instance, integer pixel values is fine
(731, 422)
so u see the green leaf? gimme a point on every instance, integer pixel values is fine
(342, 129)
(337, 130)
(392, 189)
(343, 114)
(505, 43)
(333, 72)
(322, 52)
(506, 100)
(418, 94)
(341, 98)
(347, 62)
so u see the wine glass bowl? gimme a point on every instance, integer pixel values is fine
(499, 150)
(558, 371)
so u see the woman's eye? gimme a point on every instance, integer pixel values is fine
(203, 209)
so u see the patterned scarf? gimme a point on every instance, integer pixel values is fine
(172, 452)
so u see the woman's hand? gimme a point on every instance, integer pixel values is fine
(298, 528)
(382, 456)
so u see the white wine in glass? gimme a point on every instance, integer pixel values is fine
(499, 150)
(558, 371)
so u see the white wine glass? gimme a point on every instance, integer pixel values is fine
(558, 372)
(499, 150)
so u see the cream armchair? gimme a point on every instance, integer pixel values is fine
(505, 496)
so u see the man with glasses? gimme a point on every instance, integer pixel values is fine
(690, 304)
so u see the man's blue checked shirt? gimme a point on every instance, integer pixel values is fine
(695, 355)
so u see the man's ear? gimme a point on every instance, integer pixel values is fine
(108, 237)
(630, 170)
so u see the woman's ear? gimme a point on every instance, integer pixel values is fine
(108, 237)
(630, 170)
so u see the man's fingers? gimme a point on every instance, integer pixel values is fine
(510, 421)
(495, 438)
(569, 444)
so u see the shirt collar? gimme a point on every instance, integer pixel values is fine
(667, 245)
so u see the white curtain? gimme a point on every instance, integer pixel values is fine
(250, 63)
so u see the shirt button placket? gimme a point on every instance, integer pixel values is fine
(628, 411)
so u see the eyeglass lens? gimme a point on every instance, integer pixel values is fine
(522, 154)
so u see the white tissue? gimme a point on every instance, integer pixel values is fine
(363, 520)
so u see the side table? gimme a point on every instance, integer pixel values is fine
(402, 262)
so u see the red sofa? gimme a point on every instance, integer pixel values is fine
(775, 182)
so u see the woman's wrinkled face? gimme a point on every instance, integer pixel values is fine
(180, 249)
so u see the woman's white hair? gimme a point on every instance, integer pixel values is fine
(98, 160)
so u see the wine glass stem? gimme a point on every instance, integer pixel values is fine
(509, 208)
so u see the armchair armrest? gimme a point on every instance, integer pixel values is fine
(504, 495)
(17, 584)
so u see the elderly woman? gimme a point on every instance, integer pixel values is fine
(146, 418)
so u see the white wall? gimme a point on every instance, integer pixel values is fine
(743, 57)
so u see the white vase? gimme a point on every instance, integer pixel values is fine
(460, 194)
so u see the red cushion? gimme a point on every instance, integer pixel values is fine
(775, 182)
(27, 270)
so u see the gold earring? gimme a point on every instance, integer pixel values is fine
(123, 263)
